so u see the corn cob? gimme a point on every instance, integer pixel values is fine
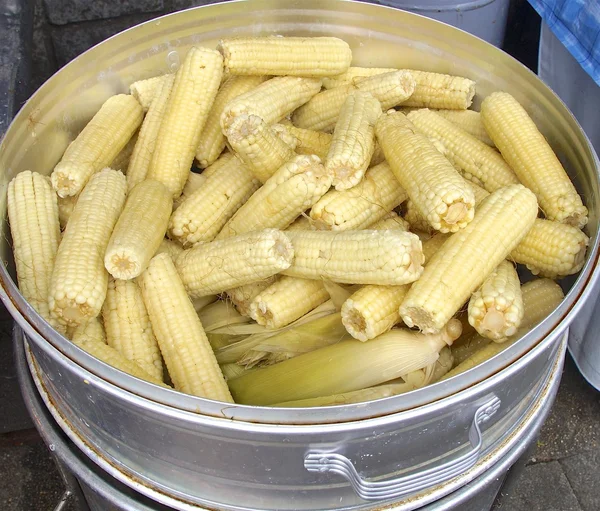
(552, 249)
(468, 257)
(139, 230)
(294, 56)
(91, 331)
(121, 161)
(286, 300)
(373, 310)
(214, 267)
(322, 111)
(79, 279)
(353, 74)
(342, 367)
(188, 106)
(356, 257)
(169, 247)
(185, 349)
(468, 120)
(531, 157)
(353, 140)
(272, 100)
(147, 140)
(66, 206)
(261, 150)
(467, 345)
(390, 221)
(128, 327)
(212, 139)
(146, 90)
(471, 156)
(242, 296)
(98, 144)
(203, 214)
(309, 141)
(289, 139)
(194, 181)
(435, 90)
(35, 230)
(294, 188)
(496, 308)
(540, 298)
(302, 223)
(435, 187)
(359, 207)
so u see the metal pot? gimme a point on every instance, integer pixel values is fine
(239, 457)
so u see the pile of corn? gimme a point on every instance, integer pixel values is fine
(349, 226)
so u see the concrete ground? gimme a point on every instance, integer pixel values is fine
(562, 474)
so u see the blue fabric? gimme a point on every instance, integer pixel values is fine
(576, 23)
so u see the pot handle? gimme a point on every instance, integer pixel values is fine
(401, 486)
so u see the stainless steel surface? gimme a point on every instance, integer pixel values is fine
(103, 492)
(217, 463)
(323, 461)
(50, 119)
(584, 342)
(203, 452)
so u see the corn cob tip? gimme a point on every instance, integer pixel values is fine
(452, 330)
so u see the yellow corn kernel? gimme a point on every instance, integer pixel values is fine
(435, 90)
(192, 96)
(293, 56)
(356, 257)
(79, 279)
(121, 161)
(66, 205)
(185, 349)
(169, 247)
(533, 160)
(353, 140)
(435, 187)
(390, 221)
(128, 327)
(139, 230)
(272, 100)
(373, 310)
(147, 139)
(91, 331)
(352, 74)
(98, 144)
(309, 141)
(261, 150)
(146, 90)
(293, 189)
(552, 249)
(286, 300)
(322, 111)
(496, 308)
(242, 296)
(471, 156)
(194, 181)
(212, 139)
(203, 214)
(468, 257)
(359, 207)
(214, 267)
(35, 230)
(468, 120)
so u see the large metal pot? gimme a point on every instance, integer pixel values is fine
(188, 450)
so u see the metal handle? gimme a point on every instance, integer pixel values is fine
(394, 488)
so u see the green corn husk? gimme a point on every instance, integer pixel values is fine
(343, 367)
(236, 351)
(220, 315)
(356, 396)
(203, 301)
(296, 340)
(432, 373)
(231, 371)
(467, 346)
